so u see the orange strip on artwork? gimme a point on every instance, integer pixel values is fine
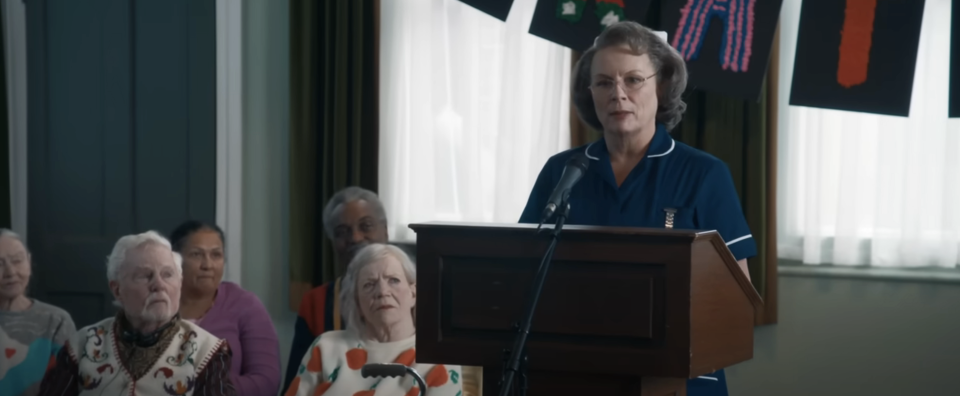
(856, 37)
(617, 2)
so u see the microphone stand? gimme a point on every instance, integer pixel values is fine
(516, 361)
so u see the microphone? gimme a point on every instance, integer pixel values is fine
(576, 166)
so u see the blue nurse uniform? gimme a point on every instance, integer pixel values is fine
(695, 186)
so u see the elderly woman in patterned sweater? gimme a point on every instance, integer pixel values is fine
(31, 332)
(146, 349)
(379, 299)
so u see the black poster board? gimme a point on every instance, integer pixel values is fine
(576, 23)
(726, 44)
(857, 55)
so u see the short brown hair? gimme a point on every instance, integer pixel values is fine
(671, 72)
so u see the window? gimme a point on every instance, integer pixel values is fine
(470, 110)
(863, 189)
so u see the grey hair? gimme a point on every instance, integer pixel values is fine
(6, 232)
(119, 254)
(331, 212)
(348, 286)
(670, 66)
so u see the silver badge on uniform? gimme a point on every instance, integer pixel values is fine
(670, 212)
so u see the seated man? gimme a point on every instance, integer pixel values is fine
(146, 349)
(352, 219)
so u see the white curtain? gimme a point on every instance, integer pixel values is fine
(470, 109)
(862, 189)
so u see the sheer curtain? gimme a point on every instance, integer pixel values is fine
(861, 189)
(470, 109)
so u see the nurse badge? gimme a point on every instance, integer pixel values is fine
(670, 213)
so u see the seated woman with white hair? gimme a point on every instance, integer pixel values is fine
(31, 331)
(379, 298)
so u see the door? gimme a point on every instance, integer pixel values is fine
(122, 135)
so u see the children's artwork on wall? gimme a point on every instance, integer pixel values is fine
(857, 55)
(496, 8)
(576, 23)
(726, 43)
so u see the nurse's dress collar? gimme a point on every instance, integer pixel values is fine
(657, 141)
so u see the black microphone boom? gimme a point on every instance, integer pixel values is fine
(516, 357)
(576, 166)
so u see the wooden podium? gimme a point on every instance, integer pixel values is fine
(626, 311)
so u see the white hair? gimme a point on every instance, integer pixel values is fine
(331, 212)
(6, 232)
(118, 256)
(348, 286)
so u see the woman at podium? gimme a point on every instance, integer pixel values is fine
(629, 85)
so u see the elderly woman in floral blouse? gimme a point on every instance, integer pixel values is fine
(379, 298)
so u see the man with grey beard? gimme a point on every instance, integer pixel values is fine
(352, 219)
(145, 349)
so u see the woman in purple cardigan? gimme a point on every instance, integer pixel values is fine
(226, 310)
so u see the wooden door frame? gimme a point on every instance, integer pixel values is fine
(15, 37)
(229, 204)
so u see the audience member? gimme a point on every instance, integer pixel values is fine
(379, 294)
(31, 332)
(145, 349)
(226, 310)
(352, 219)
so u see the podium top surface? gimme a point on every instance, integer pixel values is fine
(567, 229)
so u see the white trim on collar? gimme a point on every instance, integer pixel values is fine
(673, 143)
(587, 152)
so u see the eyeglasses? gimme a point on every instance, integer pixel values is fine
(629, 83)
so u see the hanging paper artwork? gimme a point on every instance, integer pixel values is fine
(857, 55)
(954, 109)
(499, 9)
(576, 23)
(610, 12)
(571, 10)
(726, 43)
(737, 39)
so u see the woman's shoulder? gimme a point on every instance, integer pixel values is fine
(237, 295)
(337, 337)
(53, 311)
(562, 157)
(555, 164)
(702, 160)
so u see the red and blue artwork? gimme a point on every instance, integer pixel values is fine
(737, 17)
(726, 43)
